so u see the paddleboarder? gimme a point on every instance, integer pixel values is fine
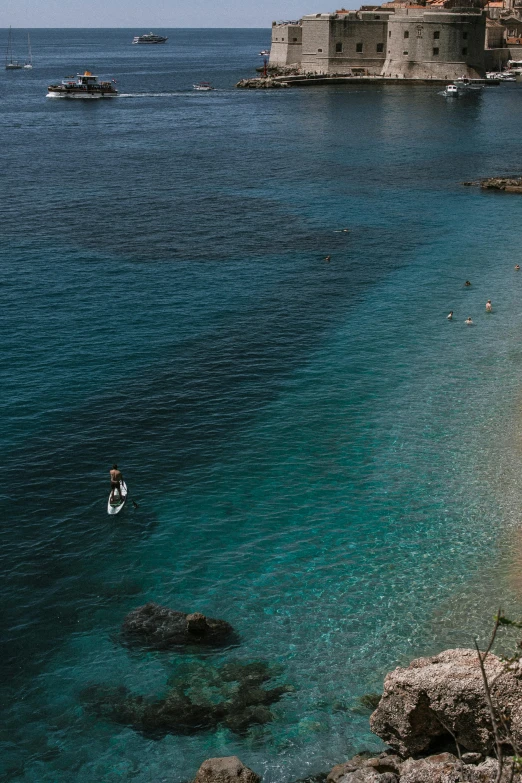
(116, 479)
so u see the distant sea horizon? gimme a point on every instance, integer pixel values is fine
(319, 456)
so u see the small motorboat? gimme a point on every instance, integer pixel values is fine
(451, 91)
(461, 87)
(203, 87)
(265, 53)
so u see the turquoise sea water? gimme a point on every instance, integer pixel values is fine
(319, 456)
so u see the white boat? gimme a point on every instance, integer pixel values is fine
(265, 52)
(85, 86)
(149, 38)
(203, 87)
(461, 87)
(10, 64)
(119, 501)
(29, 61)
(451, 91)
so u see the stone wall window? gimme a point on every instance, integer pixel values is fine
(406, 33)
(294, 40)
(465, 36)
(376, 17)
(358, 47)
(435, 50)
(419, 31)
(380, 47)
(338, 47)
(465, 50)
(436, 34)
(389, 34)
(405, 52)
(319, 50)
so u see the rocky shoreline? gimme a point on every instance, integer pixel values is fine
(455, 716)
(507, 184)
(441, 724)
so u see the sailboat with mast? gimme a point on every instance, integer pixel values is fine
(29, 61)
(10, 64)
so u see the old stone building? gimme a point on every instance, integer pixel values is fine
(424, 43)
(398, 39)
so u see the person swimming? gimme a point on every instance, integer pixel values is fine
(489, 306)
(450, 315)
(468, 321)
(517, 267)
(327, 259)
(467, 283)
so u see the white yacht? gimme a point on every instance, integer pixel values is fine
(203, 87)
(84, 86)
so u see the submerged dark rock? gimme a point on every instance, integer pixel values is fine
(160, 628)
(200, 698)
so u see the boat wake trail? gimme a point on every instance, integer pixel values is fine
(154, 94)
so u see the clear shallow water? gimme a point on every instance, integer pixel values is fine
(319, 456)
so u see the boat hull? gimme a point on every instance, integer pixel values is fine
(83, 96)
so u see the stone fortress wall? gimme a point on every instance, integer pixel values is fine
(442, 44)
(411, 42)
(344, 43)
(286, 43)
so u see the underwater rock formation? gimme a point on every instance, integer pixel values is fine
(227, 769)
(160, 628)
(200, 697)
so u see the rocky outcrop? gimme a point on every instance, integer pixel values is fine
(160, 628)
(200, 697)
(443, 696)
(508, 184)
(261, 83)
(227, 769)
(439, 768)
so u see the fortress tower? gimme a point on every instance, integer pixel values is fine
(286, 43)
(424, 43)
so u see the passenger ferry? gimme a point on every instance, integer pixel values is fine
(149, 38)
(86, 85)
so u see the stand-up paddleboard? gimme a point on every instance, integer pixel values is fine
(119, 500)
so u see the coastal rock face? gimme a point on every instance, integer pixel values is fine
(261, 83)
(435, 698)
(439, 768)
(509, 184)
(227, 769)
(160, 628)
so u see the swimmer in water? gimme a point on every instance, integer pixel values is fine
(468, 321)
(517, 267)
(327, 259)
(450, 315)
(467, 283)
(489, 306)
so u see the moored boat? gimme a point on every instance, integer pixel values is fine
(10, 64)
(203, 86)
(84, 86)
(461, 87)
(149, 38)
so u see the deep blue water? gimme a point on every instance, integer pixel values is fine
(319, 456)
